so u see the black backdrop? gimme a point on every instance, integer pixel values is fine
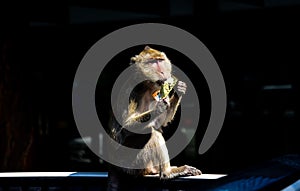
(256, 49)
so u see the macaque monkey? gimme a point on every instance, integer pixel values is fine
(152, 106)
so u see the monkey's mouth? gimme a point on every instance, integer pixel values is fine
(161, 82)
(163, 79)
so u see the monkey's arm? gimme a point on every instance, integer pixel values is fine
(141, 122)
(158, 115)
(145, 112)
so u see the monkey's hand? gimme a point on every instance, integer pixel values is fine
(181, 87)
(161, 107)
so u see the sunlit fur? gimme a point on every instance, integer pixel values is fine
(153, 66)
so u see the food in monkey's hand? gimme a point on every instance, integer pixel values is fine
(167, 86)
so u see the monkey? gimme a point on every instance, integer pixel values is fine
(152, 105)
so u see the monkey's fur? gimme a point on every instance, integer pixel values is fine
(144, 119)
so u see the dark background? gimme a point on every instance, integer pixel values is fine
(255, 43)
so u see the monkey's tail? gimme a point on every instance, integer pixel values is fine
(160, 171)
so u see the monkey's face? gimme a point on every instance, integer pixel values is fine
(153, 64)
(156, 69)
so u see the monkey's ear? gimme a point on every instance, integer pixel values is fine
(147, 48)
(133, 60)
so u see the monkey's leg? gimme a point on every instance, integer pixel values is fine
(159, 155)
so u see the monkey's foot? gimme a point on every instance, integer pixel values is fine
(181, 171)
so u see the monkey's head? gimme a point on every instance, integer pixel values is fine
(153, 64)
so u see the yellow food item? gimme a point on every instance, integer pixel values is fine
(167, 87)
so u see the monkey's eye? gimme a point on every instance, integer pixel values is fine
(153, 61)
